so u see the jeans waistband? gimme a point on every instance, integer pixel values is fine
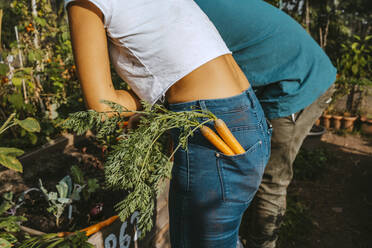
(246, 99)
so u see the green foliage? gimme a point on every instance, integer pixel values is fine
(8, 224)
(7, 202)
(9, 160)
(76, 240)
(330, 22)
(356, 58)
(355, 70)
(89, 185)
(297, 224)
(138, 160)
(42, 82)
(4, 243)
(29, 124)
(8, 155)
(310, 164)
(65, 195)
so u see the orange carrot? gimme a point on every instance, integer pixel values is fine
(122, 124)
(63, 234)
(216, 140)
(96, 227)
(228, 137)
(93, 228)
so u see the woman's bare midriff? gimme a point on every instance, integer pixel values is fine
(218, 78)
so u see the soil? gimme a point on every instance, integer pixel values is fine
(51, 165)
(339, 202)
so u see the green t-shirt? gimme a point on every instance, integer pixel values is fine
(286, 67)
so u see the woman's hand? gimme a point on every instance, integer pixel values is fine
(134, 121)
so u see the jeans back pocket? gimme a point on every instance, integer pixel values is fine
(241, 174)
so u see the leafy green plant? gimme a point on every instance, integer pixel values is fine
(36, 68)
(138, 160)
(354, 68)
(65, 195)
(310, 164)
(297, 224)
(8, 224)
(89, 185)
(75, 240)
(8, 155)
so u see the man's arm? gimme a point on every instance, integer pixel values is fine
(89, 44)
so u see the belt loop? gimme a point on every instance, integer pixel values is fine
(251, 98)
(202, 105)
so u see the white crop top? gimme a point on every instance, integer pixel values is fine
(155, 43)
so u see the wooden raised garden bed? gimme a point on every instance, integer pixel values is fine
(51, 162)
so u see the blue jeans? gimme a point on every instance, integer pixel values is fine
(210, 191)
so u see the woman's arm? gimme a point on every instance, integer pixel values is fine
(89, 44)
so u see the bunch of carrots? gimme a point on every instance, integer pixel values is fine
(228, 145)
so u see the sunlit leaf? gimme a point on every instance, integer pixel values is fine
(28, 70)
(354, 45)
(4, 206)
(31, 56)
(16, 100)
(30, 124)
(17, 81)
(11, 162)
(8, 196)
(65, 36)
(15, 152)
(39, 54)
(4, 68)
(4, 243)
(42, 22)
(355, 69)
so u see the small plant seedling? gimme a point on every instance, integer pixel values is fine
(89, 185)
(65, 195)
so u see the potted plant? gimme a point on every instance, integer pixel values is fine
(348, 121)
(326, 119)
(366, 126)
(335, 116)
(337, 121)
(354, 77)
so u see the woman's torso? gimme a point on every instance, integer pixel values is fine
(218, 78)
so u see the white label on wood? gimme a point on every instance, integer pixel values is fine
(110, 241)
(124, 239)
(135, 217)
